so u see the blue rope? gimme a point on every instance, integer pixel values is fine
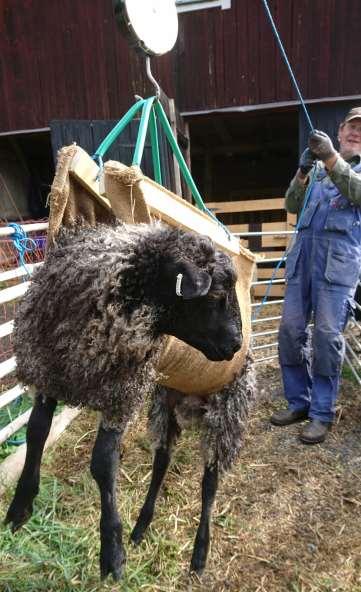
(288, 64)
(22, 243)
(309, 188)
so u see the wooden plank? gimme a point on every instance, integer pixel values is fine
(176, 169)
(270, 241)
(162, 203)
(263, 256)
(187, 157)
(275, 291)
(281, 225)
(177, 212)
(238, 227)
(86, 172)
(291, 220)
(274, 226)
(252, 205)
(276, 240)
(267, 272)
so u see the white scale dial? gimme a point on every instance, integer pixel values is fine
(151, 25)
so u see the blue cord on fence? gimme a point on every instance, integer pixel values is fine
(22, 243)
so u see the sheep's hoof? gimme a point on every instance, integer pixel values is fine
(137, 536)
(144, 519)
(198, 563)
(196, 569)
(112, 562)
(106, 569)
(17, 515)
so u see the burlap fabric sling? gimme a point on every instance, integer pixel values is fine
(181, 367)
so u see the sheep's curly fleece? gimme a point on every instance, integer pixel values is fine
(222, 418)
(76, 340)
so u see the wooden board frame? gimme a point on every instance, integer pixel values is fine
(163, 204)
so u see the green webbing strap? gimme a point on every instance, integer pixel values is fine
(182, 164)
(150, 109)
(155, 147)
(108, 141)
(142, 131)
(179, 156)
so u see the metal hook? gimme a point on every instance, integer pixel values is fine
(151, 77)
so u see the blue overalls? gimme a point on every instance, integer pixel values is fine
(322, 272)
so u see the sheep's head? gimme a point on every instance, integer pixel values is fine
(200, 304)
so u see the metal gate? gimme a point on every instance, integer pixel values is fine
(264, 334)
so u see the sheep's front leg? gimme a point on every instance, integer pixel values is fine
(21, 508)
(160, 465)
(171, 430)
(104, 465)
(201, 544)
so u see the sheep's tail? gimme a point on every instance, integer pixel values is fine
(225, 421)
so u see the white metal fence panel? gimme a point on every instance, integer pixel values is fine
(265, 327)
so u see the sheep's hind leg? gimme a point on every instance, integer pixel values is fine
(201, 543)
(21, 507)
(167, 430)
(104, 465)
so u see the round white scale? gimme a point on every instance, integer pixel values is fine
(150, 25)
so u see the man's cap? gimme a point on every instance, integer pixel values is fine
(353, 114)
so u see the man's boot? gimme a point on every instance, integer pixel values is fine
(286, 417)
(315, 432)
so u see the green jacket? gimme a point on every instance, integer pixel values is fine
(346, 180)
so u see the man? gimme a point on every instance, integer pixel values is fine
(322, 271)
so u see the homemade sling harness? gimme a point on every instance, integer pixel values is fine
(85, 191)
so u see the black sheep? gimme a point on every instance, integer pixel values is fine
(89, 332)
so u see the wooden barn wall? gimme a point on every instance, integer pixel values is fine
(237, 61)
(67, 60)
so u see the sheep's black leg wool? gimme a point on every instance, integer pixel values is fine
(104, 466)
(160, 465)
(21, 508)
(201, 543)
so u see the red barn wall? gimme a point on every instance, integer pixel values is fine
(64, 60)
(243, 65)
(61, 60)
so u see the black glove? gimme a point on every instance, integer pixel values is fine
(307, 161)
(321, 145)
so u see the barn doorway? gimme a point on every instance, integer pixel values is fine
(26, 173)
(243, 163)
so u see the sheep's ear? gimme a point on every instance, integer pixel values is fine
(192, 282)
